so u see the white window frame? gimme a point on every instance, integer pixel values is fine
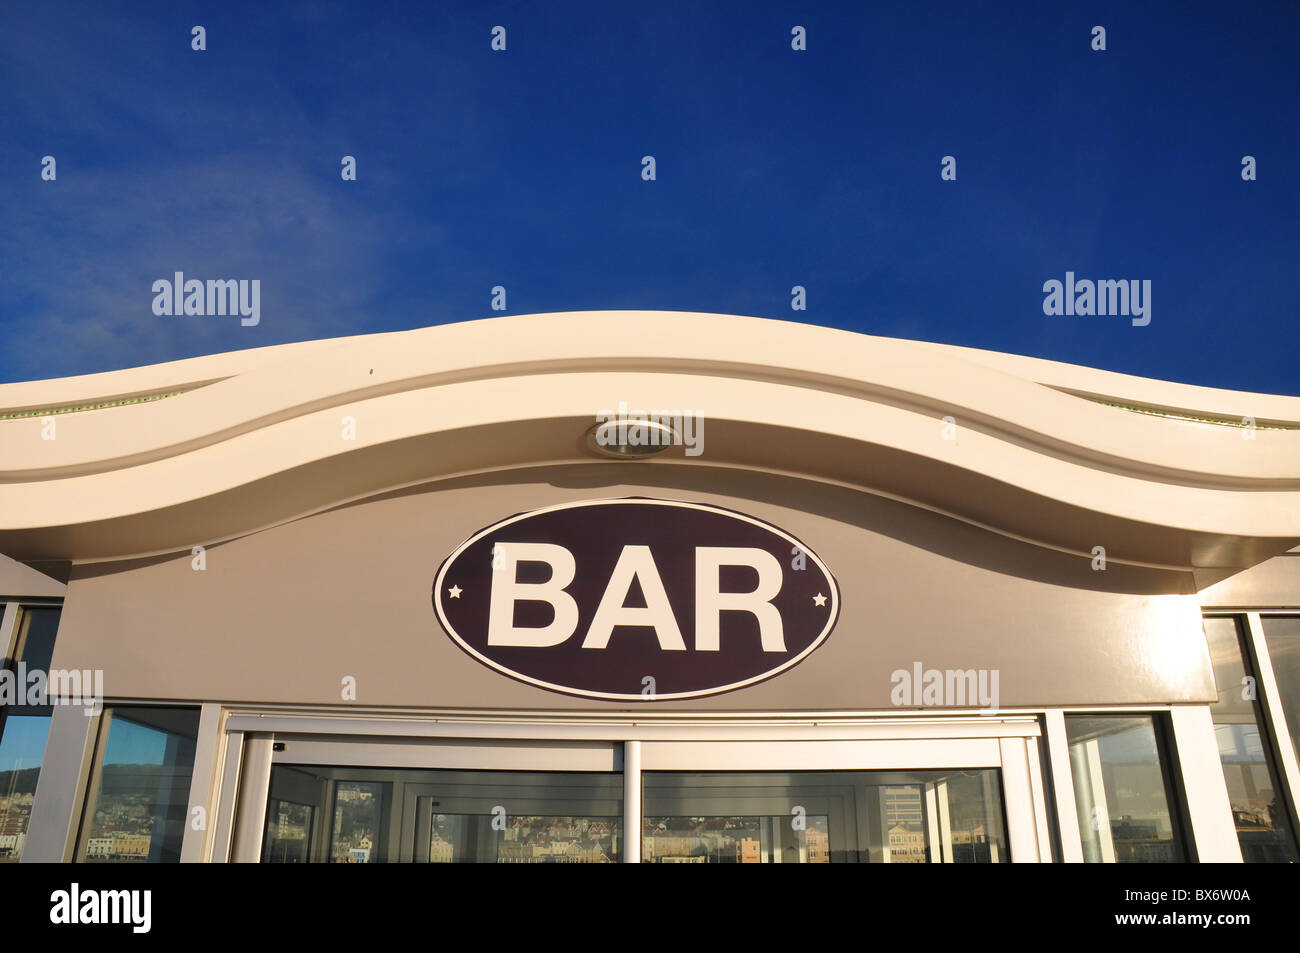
(1271, 704)
(1193, 764)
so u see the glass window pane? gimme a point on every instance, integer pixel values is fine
(823, 817)
(33, 649)
(37, 628)
(23, 727)
(1282, 636)
(140, 786)
(21, 748)
(37, 631)
(288, 833)
(1248, 768)
(1121, 790)
(358, 812)
(436, 816)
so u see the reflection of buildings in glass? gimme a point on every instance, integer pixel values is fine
(11, 845)
(360, 852)
(552, 852)
(1254, 805)
(710, 847)
(904, 821)
(348, 794)
(717, 840)
(818, 846)
(15, 809)
(970, 845)
(15, 812)
(1141, 842)
(356, 818)
(906, 846)
(441, 850)
(668, 848)
(288, 845)
(128, 821)
(728, 840)
(530, 840)
(118, 845)
(1257, 831)
(130, 846)
(289, 841)
(902, 805)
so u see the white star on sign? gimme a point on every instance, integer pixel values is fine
(455, 592)
(819, 599)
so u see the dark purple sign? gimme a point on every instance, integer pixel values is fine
(636, 600)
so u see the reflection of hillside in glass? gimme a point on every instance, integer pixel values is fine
(357, 807)
(140, 786)
(731, 840)
(17, 791)
(347, 814)
(818, 817)
(23, 728)
(529, 839)
(287, 839)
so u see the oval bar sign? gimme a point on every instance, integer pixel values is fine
(636, 600)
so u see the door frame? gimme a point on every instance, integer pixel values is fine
(519, 740)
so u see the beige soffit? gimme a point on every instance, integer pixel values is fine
(256, 437)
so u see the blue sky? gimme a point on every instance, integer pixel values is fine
(129, 743)
(774, 168)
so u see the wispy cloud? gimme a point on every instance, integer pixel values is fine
(86, 271)
(154, 179)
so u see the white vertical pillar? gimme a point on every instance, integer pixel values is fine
(1208, 805)
(1067, 812)
(1096, 809)
(937, 854)
(227, 798)
(631, 802)
(207, 751)
(1039, 792)
(1022, 829)
(254, 787)
(945, 820)
(56, 815)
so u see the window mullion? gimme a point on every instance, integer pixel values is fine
(1270, 702)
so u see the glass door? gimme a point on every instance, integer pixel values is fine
(887, 800)
(340, 800)
(822, 817)
(509, 817)
(905, 796)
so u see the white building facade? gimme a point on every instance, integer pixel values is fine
(639, 586)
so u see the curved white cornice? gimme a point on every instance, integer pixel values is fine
(1030, 458)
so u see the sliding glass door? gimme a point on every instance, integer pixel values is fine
(902, 800)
